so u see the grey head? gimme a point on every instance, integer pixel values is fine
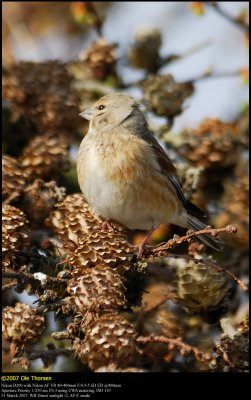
(113, 110)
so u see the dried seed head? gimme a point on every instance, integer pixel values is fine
(108, 339)
(14, 233)
(198, 287)
(46, 156)
(164, 95)
(13, 176)
(21, 325)
(98, 288)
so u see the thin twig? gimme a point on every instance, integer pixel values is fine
(234, 20)
(184, 348)
(47, 282)
(157, 250)
(51, 354)
(9, 285)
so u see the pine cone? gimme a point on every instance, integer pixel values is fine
(109, 339)
(43, 93)
(100, 59)
(14, 233)
(144, 53)
(46, 156)
(13, 177)
(198, 287)
(235, 206)
(101, 247)
(98, 288)
(21, 325)
(39, 199)
(164, 95)
(233, 353)
(213, 144)
(73, 219)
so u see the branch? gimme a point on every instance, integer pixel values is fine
(177, 343)
(234, 20)
(163, 247)
(46, 282)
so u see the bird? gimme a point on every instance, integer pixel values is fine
(125, 174)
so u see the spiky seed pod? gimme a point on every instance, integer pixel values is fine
(198, 287)
(213, 144)
(46, 156)
(98, 288)
(39, 199)
(164, 95)
(14, 233)
(108, 339)
(144, 53)
(43, 93)
(235, 204)
(232, 353)
(72, 219)
(100, 59)
(13, 176)
(21, 325)
(101, 247)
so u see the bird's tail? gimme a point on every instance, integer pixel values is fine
(196, 225)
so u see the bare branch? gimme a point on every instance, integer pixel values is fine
(177, 343)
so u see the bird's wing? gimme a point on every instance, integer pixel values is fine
(168, 169)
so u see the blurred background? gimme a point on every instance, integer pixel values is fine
(39, 31)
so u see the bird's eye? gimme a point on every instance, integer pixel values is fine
(101, 107)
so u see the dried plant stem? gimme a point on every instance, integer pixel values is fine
(177, 343)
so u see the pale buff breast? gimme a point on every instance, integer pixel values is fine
(119, 178)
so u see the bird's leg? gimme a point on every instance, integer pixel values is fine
(141, 246)
(106, 225)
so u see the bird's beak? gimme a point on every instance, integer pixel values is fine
(87, 114)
